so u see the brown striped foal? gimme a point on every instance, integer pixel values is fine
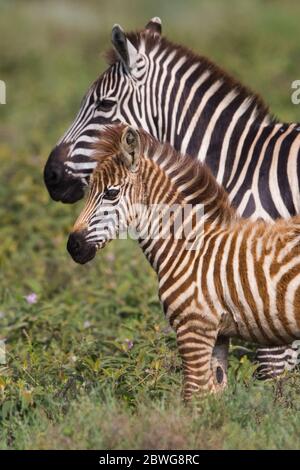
(218, 274)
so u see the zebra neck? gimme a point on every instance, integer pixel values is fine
(177, 212)
(172, 179)
(207, 111)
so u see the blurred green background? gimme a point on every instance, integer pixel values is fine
(92, 364)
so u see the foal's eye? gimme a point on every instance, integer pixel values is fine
(105, 105)
(111, 194)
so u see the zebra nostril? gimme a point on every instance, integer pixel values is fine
(74, 244)
(54, 176)
(54, 170)
(79, 248)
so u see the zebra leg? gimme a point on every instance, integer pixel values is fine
(196, 349)
(273, 361)
(220, 361)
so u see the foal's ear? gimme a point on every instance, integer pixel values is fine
(154, 25)
(126, 51)
(130, 148)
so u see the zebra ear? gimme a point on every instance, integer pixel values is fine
(125, 49)
(154, 25)
(130, 147)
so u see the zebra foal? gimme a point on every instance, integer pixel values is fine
(218, 274)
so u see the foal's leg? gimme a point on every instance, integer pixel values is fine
(195, 348)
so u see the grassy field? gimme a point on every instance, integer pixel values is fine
(92, 364)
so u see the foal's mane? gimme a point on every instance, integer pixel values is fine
(189, 175)
(216, 73)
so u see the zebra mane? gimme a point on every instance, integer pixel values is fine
(192, 178)
(151, 41)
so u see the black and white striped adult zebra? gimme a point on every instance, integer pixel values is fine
(188, 101)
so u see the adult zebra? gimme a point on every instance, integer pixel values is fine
(187, 100)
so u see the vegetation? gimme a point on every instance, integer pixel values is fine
(91, 362)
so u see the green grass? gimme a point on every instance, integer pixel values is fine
(71, 381)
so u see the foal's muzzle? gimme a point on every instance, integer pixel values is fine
(80, 250)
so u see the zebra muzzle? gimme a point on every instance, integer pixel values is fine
(80, 250)
(62, 186)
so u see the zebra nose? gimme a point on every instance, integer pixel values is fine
(80, 250)
(54, 175)
(62, 186)
(75, 243)
(54, 169)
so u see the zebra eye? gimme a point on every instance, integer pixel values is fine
(111, 194)
(105, 105)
